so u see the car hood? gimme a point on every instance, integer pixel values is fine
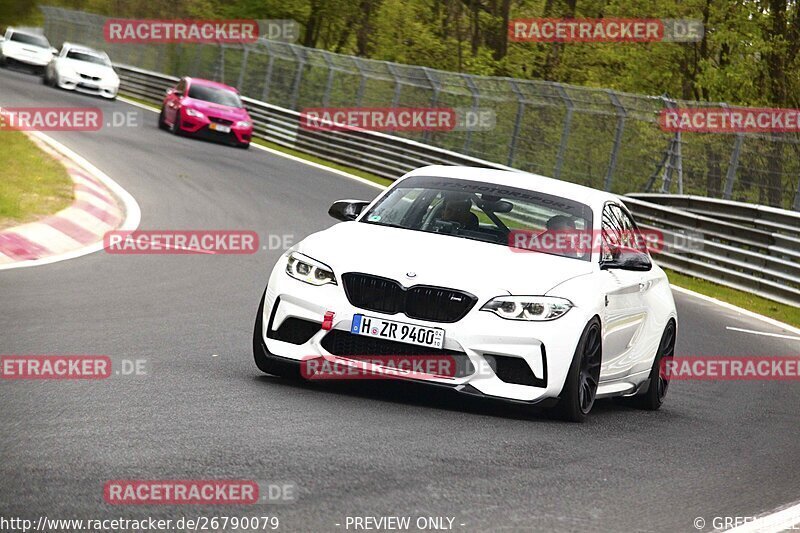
(90, 69)
(484, 269)
(221, 111)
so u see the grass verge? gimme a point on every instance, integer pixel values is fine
(33, 184)
(785, 313)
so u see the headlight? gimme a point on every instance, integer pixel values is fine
(531, 308)
(243, 124)
(193, 113)
(303, 268)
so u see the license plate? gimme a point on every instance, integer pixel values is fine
(220, 128)
(397, 331)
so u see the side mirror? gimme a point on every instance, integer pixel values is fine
(54, 51)
(347, 209)
(627, 259)
(169, 91)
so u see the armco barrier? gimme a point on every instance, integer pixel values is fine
(748, 247)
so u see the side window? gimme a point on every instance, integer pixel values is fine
(180, 89)
(618, 232)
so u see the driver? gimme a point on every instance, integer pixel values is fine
(562, 228)
(457, 209)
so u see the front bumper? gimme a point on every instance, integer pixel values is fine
(509, 360)
(201, 127)
(97, 88)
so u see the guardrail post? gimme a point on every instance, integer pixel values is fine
(268, 75)
(730, 177)
(243, 67)
(562, 148)
(362, 84)
(796, 205)
(612, 162)
(512, 146)
(435, 86)
(298, 76)
(220, 71)
(476, 95)
(397, 86)
(329, 82)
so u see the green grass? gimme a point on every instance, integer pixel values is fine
(33, 184)
(785, 313)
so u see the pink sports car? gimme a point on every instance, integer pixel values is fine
(206, 109)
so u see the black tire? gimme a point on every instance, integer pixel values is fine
(580, 387)
(653, 397)
(161, 124)
(243, 146)
(266, 361)
(175, 129)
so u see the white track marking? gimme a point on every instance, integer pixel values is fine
(765, 333)
(786, 519)
(740, 310)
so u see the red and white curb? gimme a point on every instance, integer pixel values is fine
(100, 205)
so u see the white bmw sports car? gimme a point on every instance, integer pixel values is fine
(435, 267)
(25, 48)
(79, 68)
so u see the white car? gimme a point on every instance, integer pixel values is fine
(25, 48)
(80, 68)
(432, 268)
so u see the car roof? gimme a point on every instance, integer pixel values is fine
(82, 48)
(26, 32)
(209, 83)
(522, 180)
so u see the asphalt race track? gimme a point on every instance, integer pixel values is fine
(715, 449)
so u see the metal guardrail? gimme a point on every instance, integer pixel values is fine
(744, 246)
(751, 248)
(762, 217)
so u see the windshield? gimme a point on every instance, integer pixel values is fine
(89, 58)
(215, 95)
(479, 211)
(26, 38)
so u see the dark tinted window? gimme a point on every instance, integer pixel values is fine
(90, 58)
(33, 40)
(215, 95)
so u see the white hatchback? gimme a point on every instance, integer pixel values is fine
(25, 48)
